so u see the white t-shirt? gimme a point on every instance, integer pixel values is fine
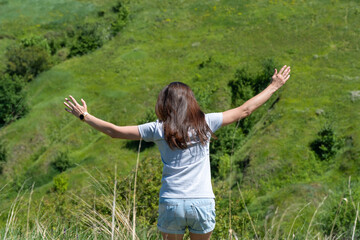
(186, 172)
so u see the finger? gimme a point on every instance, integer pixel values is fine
(70, 103)
(287, 71)
(68, 106)
(84, 103)
(68, 110)
(287, 78)
(282, 69)
(275, 71)
(76, 103)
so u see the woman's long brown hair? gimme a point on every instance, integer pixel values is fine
(180, 113)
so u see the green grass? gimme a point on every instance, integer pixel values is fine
(162, 43)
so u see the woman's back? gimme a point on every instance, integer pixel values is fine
(186, 172)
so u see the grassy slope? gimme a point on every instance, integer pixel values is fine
(121, 80)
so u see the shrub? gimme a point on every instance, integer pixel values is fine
(27, 60)
(12, 99)
(228, 139)
(60, 183)
(263, 79)
(88, 38)
(241, 87)
(56, 41)
(121, 18)
(326, 145)
(245, 85)
(35, 41)
(62, 162)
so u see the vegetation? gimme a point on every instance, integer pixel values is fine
(276, 176)
(326, 145)
(13, 103)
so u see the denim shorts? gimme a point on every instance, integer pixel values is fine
(175, 214)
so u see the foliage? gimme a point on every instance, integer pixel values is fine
(35, 41)
(88, 38)
(245, 85)
(241, 87)
(227, 140)
(339, 215)
(326, 144)
(207, 95)
(56, 40)
(12, 99)
(27, 60)
(62, 162)
(122, 13)
(61, 183)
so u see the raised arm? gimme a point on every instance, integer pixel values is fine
(235, 114)
(114, 131)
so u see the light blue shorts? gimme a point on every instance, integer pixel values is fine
(175, 214)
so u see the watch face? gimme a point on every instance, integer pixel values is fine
(81, 116)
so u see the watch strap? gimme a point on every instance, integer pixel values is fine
(83, 115)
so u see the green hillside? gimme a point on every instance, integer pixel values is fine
(201, 43)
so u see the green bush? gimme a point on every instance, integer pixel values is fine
(61, 183)
(35, 41)
(122, 14)
(228, 139)
(27, 60)
(62, 162)
(263, 79)
(241, 87)
(245, 85)
(326, 145)
(88, 38)
(12, 99)
(56, 41)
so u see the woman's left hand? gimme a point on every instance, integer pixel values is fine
(75, 108)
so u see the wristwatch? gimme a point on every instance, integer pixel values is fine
(82, 116)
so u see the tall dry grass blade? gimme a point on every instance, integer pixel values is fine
(134, 197)
(10, 222)
(37, 215)
(273, 220)
(312, 219)
(281, 219)
(42, 230)
(28, 213)
(113, 209)
(122, 226)
(247, 211)
(3, 187)
(296, 217)
(356, 217)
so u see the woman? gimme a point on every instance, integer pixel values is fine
(182, 133)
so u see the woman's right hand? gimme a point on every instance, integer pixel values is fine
(280, 78)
